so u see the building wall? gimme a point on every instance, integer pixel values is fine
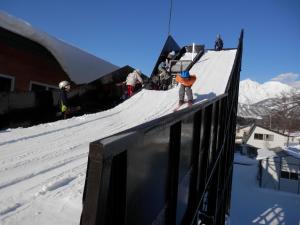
(272, 177)
(278, 140)
(295, 140)
(270, 172)
(27, 61)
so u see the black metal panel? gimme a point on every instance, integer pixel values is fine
(185, 167)
(147, 177)
(98, 172)
(173, 172)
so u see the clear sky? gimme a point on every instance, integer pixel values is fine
(132, 32)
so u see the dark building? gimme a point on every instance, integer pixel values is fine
(32, 63)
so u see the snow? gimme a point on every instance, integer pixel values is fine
(81, 66)
(265, 153)
(42, 168)
(251, 204)
(252, 92)
(293, 151)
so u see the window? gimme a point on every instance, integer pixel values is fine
(293, 176)
(266, 137)
(258, 136)
(289, 175)
(37, 86)
(285, 174)
(269, 137)
(6, 83)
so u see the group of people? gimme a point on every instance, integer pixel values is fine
(134, 80)
(163, 77)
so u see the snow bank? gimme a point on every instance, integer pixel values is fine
(253, 205)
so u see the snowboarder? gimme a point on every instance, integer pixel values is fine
(132, 80)
(66, 110)
(186, 81)
(219, 43)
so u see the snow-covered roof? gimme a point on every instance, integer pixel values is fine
(80, 66)
(293, 151)
(264, 153)
(295, 134)
(254, 127)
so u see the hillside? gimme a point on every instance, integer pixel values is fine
(252, 92)
(259, 100)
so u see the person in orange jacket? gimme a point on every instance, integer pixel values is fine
(186, 81)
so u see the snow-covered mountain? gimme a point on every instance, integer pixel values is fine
(259, 109)
(258, 100)
(252, 92)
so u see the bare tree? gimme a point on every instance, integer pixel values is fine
(285, 115)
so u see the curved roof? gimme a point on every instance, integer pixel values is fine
(80, 66)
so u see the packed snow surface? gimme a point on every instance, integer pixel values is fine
(42, 168)
(251, 204)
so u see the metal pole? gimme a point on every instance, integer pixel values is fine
(170, 17)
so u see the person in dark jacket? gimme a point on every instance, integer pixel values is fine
(64, 105)
(164, 71)
(219, 43)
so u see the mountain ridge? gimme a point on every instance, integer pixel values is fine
(259, 100)
(253, 92)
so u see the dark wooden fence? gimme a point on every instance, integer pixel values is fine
(174, 170)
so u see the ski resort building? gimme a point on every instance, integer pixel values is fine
(32, 63)
(34, 60)
(280, 171)
(261, 137)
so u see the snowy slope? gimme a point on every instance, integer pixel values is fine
(252, 92)
(42, 168)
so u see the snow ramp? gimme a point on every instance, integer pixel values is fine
(43, 169)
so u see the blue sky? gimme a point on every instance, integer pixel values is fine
(133, 31)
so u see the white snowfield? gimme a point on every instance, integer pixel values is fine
(42, 168)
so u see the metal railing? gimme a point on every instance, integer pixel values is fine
(176, 169)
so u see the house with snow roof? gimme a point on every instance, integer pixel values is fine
(32, 63)
(279, 170)
(261, 137)
(295, 138)
(34, 60)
